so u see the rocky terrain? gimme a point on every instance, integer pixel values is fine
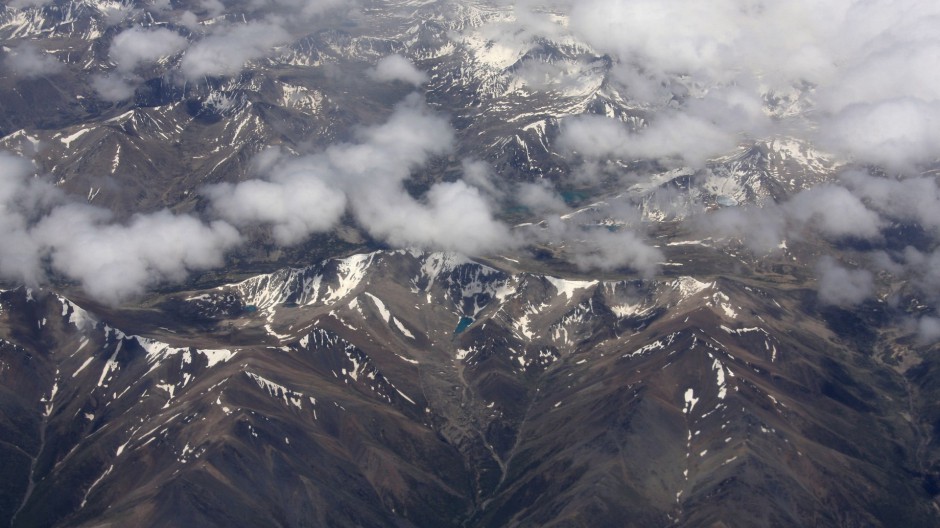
(252, 278)
(412, 389)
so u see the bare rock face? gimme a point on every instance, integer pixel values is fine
(425, 389)
(335, 381)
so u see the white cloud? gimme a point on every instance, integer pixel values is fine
(26, 60)
(865, 69)
(760, 229)
(835, 212)
(911, 200)
(138, 46)
(19, 253)
(130, 50)
(114, 87)
(161, 5)
(540, 198)
(213, 8)
(115, 261)
(594, 136)
(398, 68)
(453, 217)
(608, 250)
(480, 175)
(695, 75)
(928, 329)
(841, 286)
(111, 260)
(898, 133)
(698, 131)
(227, 50)
(296, 201)
(923, 270)
(22, 4)
(366, 178)
(593, 247)
(831, 211)
(303, 8)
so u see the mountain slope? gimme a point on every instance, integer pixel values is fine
(428, 390)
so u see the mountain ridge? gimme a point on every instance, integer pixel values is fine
(685, 390)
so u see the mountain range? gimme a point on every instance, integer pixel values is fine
(283, 286)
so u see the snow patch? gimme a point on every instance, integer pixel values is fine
(82, 367)
(351, 272)
(688, 287)
(690, 400)
(402, 329)
(277, 391)
(386, 316)
(567, 287)
(67, 140)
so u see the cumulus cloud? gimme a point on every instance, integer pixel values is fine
(480, 175)
(899, 134)
(130, 50)
(111, 260)
(859, 74)
(609, 250)
(213, 8)
(912, 200)
(542, 73)
(295, 201)
(19, 253)
(398, 68)
(161, 5)
(304, 8)
(114, 87)
(116, 13)
(924, 270)
(300, 196)
(862, 75)
(928, 329)
(540, 198)
(835, 212)
(841, 286)
(223, 48)
(762, 230)
(286, 13)
(297, 196)
(699, 130)
(660, 37)
(896, 71)
(828, 210)
(453, 217)
(594, 136)
(592, 247)
(779, 42)
(22, 4)
(226, 50)
(115, 261)
(669, 135)
(27, 61)
(137, 46)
